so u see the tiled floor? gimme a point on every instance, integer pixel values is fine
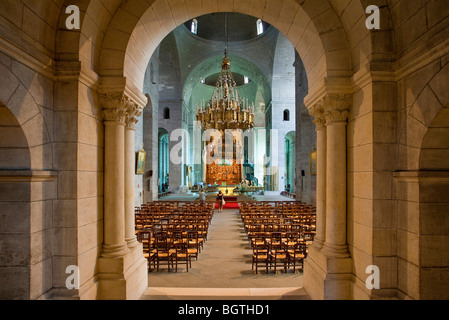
(223, 270)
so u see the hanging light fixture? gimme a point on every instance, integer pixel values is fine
(226, 109)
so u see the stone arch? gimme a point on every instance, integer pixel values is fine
(435, 147)
(14, 150)
(433, 232)
(22, 105)
(429, 102)
(15, 190)
(422, 182)
(136, 28)
(314, 29)
(22, 187)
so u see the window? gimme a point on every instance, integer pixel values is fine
(166, 114)
(194, 27)
(152, 73)
(286, 115)
(259, 27)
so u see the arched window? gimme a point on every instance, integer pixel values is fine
(286, 115)
(166, 114)
(152, 73)
(259, 27)
(194, 27)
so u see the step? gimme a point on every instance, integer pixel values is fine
(159, 293)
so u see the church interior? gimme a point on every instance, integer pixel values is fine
(324, 124)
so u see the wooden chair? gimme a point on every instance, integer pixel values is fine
(181, 255)
(177, 237)
(193, 243)
(261, 257)
(145, 237)
(275, 240)
(163, 251)
(309, 237)
(279, 257)
(296, 255)
(259, 238)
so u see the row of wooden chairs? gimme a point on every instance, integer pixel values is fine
(279, 233)
(165, 213)
(288, 256)
(172, 234)
(299, 214)
(170, 249)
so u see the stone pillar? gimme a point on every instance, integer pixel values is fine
(114, 244)
(328, 270)
(320, 123)
(122, 270)
(336, 115)
(133, 111)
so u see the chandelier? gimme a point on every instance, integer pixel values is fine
(226, 109)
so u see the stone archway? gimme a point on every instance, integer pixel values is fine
(303, 25)
(27, 188)
(136, 29)
(422, 186)
(15, 211)
(433, 230)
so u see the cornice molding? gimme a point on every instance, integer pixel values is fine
(47, 69)
(27, 176)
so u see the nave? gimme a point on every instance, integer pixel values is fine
(224, 270)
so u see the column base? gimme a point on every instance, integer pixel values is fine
(318, 243)
(335, 251)
(327, 278)
(132, 242)
(114, 251)
(123, 278)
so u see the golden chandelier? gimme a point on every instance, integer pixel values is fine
(226, 109)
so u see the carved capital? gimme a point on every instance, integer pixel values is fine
(336, 115)
(133, 112)
(336, 108)
(114, 115)
(316, 111)
(114, 107)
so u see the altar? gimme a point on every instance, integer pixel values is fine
(225, 173)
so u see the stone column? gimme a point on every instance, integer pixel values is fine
(133, 111)
(122, 270)
(336, 114)
(114, 244)
(320, 124)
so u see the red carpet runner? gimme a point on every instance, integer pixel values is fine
(229, 205)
